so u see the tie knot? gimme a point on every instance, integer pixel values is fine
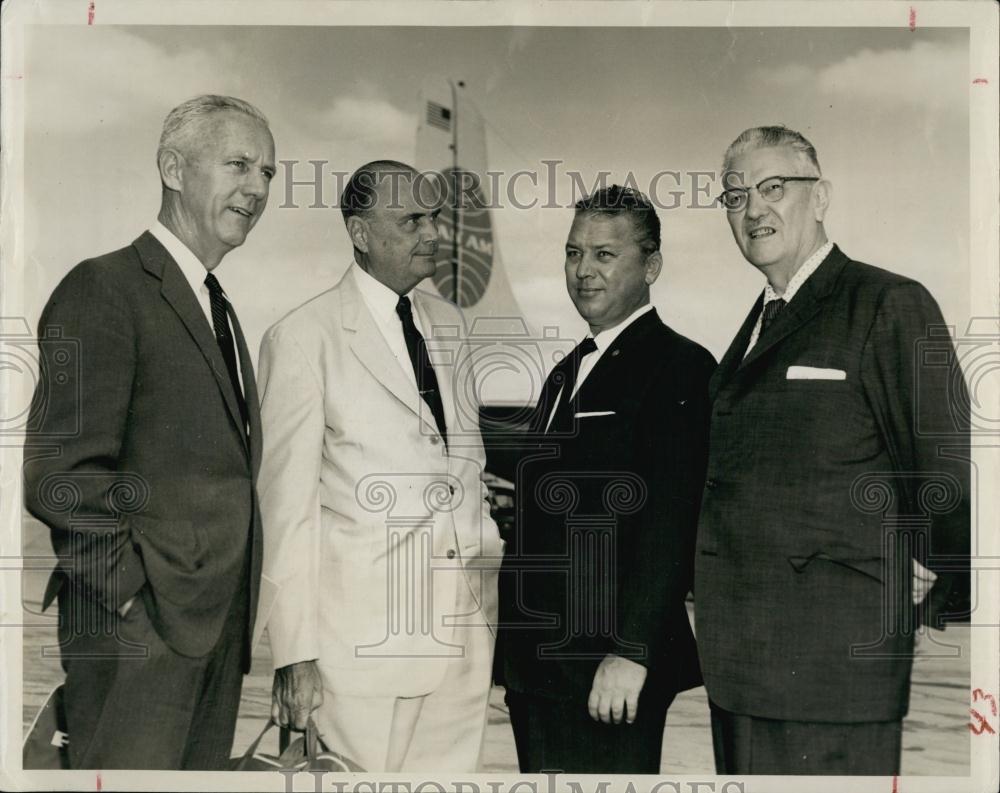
(586, 347)
(403, 308)
(214, 287)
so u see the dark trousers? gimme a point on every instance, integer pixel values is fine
(556, 735)
(750, 745)
(133, 703)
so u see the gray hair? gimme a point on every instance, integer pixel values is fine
(769, 137)
(183, 122)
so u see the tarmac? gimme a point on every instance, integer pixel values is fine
(936, 734)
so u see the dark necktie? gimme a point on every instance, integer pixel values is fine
(427, 382)
(562, 419)
(771, 310)
(224, 337)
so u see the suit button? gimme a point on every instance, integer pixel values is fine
(711, 484)
(451, 553)
(434, 440)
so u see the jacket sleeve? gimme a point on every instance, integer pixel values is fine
(914, 382)
(671, 454)
(292, 419)
(77, 426)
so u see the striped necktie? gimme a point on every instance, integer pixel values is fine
(224, 337)
(427, 382)
(771, 310)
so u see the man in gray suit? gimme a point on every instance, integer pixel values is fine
(152, 503)
(837, 488)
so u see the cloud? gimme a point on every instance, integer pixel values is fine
(86, 79)
(925, 74)
(372, 119)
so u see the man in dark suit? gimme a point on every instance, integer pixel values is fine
(837, 487)
(595, 633)
(151, 502)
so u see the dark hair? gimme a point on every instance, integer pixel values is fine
(617, 200)
(358, 197)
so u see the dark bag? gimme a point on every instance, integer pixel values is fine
(46, 744)
(306, 753)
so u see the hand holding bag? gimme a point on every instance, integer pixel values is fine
(305, 753)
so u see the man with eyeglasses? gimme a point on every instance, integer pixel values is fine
(835, 516)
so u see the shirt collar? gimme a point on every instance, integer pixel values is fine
(795, 282)
(381, 299)
(605, 338)
(194, 271)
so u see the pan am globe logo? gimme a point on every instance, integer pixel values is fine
(473, 243)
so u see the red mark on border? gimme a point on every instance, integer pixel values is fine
(980, 724)
(90, 21)
(913, 19)
(980, 81)
(978, 694)
(895, 784)
(98, 783)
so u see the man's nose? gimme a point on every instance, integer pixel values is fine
(428, 229)
(585, 267)
(256, 185)
(756, 206)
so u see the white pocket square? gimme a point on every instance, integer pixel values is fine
(594, 414)
(814, 373)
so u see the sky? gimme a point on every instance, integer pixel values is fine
(886, 108)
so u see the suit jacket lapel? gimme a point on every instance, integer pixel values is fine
(372, 350)
(177, 292)
(603, 373)
(803, 307)
(734, 355)
(547, 396)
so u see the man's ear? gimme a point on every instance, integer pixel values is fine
(171, 165)
(357, 230)
(823, 193)
(654, 263)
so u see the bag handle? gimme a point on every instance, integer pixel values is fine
(303, 751)
(252, 749)
(314, 741)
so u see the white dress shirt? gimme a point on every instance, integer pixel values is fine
(794, 284)
(603, 340)
(194, 273)
(381, 302)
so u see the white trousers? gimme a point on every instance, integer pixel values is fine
(441, 731)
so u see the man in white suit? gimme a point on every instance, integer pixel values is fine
(378, 538)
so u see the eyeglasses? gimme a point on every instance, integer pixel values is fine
(771, 189)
